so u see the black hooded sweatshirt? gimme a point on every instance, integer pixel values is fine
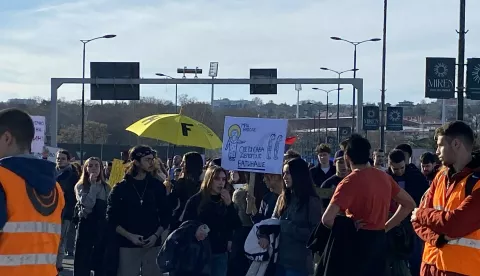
(319, 176)
(416, 183)
(221, 219)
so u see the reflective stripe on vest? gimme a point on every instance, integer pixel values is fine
(475, 244)
(32, 227)
(467, 248)
(28, 259)
(441, 208)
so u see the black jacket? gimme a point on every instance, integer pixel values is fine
(266, 207)
(416, 183)
(182, 190)
(363, 251)
(318, 176)
(182, 253)
(222, 220)
(67, 180)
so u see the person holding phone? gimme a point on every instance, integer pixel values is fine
(213, 206)
(91, 192)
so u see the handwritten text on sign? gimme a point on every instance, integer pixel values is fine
(39, 139)
(253, 144)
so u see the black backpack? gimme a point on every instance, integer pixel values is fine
(471, 181)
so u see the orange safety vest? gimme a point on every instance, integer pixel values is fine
(460, 255)
(30, 239)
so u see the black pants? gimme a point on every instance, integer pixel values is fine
(89, 248)
(238, 264)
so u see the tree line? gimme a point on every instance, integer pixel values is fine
(106, 124)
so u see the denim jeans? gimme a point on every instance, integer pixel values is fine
(219, 264)
(63, 239)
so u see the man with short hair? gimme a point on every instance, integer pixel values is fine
(341, 171)
(31, 201)
(108, 169)
(177, 160)
(447, 220)
(415, 185)
(365, 196)
(429, 166)
(413, 182)
(407, 150)
(67, 177)
(324, 169)
(379, 159)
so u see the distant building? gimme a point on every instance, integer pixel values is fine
(226, 103)
(405, 104)
(22, 101)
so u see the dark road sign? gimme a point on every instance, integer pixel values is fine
(263, 89)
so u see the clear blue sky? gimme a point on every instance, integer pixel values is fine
(40, 40)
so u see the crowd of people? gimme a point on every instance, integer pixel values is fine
(364, 212)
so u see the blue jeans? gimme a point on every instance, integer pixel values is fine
(219, 264)
(281, 271)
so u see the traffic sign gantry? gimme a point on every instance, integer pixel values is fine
(58, 82)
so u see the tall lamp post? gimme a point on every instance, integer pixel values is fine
(355, 44)
(176, 88)
(326, 115)
(82, 134)
(339, 73)
(213, 73)
(298, 87)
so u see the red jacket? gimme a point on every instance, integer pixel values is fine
(457, 223)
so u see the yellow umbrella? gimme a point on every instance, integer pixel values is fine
(176, 129)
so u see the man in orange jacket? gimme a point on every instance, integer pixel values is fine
(31, 202)
(447, 219)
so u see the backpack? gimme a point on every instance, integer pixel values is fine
(470, 184)
(182, 253)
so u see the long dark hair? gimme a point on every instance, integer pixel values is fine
(193, 166)
(302, 186)
(206, 186)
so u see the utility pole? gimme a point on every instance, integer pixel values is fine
(461, 61)
(384, 62)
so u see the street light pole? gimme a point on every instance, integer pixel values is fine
(326, 121)
(339, 73)
(355, 44)
(353, 89)
(326, 116)
(384, 64)
(461, 61)
(176, 88)
(82, 131)
(298, 87)
(213, 72)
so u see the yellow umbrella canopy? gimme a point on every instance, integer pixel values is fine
(176, 129)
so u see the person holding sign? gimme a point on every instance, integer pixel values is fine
(213, 206)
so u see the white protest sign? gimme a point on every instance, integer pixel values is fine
(254, 144)
(39, 139)
(49, 152)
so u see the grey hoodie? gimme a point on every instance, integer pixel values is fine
(296, 225)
